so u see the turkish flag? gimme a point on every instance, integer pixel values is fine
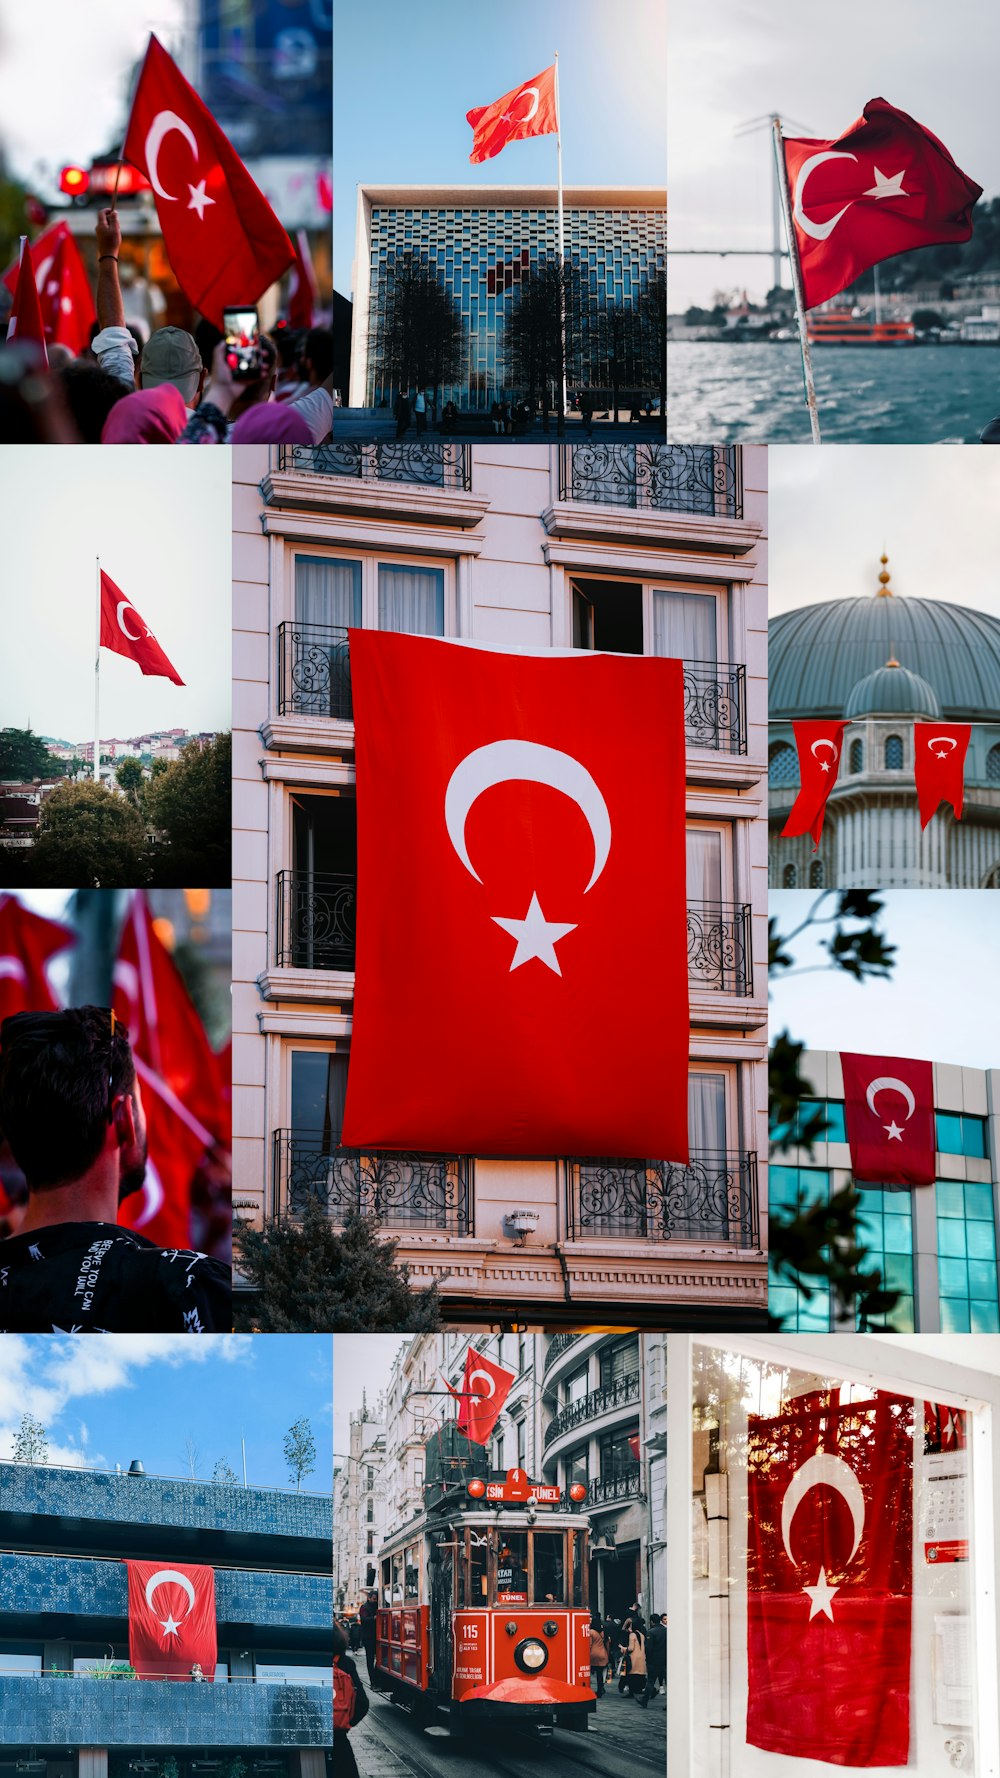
(61, 278)
(885, 186)
(547, 854)
(302, 295)
(889, 1110)
(529, 110)
(25, 322)
(485, 1388)
(171, 1619)
(819, 746)
(223, 240)
(939, 750)
(123, 631)
(27, 942)
(829, 1579)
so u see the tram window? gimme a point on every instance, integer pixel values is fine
(578, 1569)
(411, 1574)
(550, 1577)
(478, 1568)
(397, 1580)
(512, 1568)
(386, 1583)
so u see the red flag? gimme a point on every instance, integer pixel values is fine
(819, 747)
(171, 1619)
(939, 750)
(25, 323)
(223, 240)
(27, 942)
(485, 1388)
(123, 631)
(548, 862)
(528, 110)
(67, 306)
(889, 1109)
(885, 186)
(829, 1580)
(302, 294)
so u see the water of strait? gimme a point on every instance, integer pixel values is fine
(866, 394)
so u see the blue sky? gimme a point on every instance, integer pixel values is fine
(105, 1399)
(939, 1004)
(405, 76)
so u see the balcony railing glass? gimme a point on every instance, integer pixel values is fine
(620, 1394)
(713, 1199)
(403, 1190)
(432, 462)
(656, 477)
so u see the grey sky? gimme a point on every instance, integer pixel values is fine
(361, 1363)
(63, 84)
(932, 507)
(160, 520)
(938, 1006)
(738, 59)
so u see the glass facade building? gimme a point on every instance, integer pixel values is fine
(483, 242)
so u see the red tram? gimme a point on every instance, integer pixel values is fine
(483, 1605)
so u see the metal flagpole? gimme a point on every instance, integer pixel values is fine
(97, 681)
(562, 250)
(793, 257)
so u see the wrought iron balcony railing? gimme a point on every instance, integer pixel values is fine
(621, 1484)
(656, 477)
(713, 1199)
(314, 671)
(620, 1394)
(403, 1190)
(719, 950)
(316, 914)
(431, 462)
(558, 1344)
(715, 706)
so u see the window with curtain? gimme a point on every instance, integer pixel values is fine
(319, 1087)
(704, 865)
(856, 757)
(327, 592)
(411, 599)
(684, 625)
(619, 1360)
(894, 754)
(315, 668)
(707, 1113)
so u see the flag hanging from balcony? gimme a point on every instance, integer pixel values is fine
(485, 1388)
(171, 1619)
(829, 1579)
(123, 632)
(939, 750)
(819, 746)
(889, 1112)
(521, 980)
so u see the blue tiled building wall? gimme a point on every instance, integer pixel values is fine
(75, 1586)
(149, 1500)
(158, 1713)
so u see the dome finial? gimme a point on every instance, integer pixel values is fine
(884, 589)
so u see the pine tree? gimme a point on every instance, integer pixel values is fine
(309, 1277)
(223, 1473)
(31, 1444)
(300, 1451)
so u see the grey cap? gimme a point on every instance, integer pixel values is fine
(170, 353)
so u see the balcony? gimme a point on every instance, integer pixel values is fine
(404, 1191)
(624, 1392)
(38, 1587)
(715, 706)
(702, 479)
(623, 1484)
(431, 462)
(559, 1344)
(713, 1200)
(46, 1711)
(719, 950)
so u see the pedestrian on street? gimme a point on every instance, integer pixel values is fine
(598, 1654)
(633, 1678)
(368, 1618)
(656, 1659)
(350, 1705)
(420, 410)
(401, 409)
(613, 1637)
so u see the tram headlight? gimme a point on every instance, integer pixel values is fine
(531, 1656)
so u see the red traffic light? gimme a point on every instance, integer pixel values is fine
(578, 1492)
(74, 181)
(476, 1488)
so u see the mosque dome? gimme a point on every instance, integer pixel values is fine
(819, 655)
(892, 690)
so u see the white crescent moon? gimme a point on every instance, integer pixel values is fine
(817, 744)
(162, 124)
(122, 625)
(14, 967)
(889, 1080)
(942, 741)
(832, 1472)
(502, 761)
(487, 1379)
(161, 1576)
(818, 230)
(534, 108)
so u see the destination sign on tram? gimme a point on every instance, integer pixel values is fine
(535, 1491)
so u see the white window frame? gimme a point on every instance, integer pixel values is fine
(371, 560)
(719, 591)
(705, 825)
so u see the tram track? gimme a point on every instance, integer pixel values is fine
(521, 1753)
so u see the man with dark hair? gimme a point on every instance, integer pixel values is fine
(71, 1110)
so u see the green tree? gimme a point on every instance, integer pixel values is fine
(158, 767)
(31, 1443)
(88, 837)
(129, 776)
(190, 804)
(533, 336)
(308, 1277)
(417, 333)
(24, 755)
(300, 1451)
(223, 1473)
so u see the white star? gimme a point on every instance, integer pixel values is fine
(895, 1132)
(536, 936)
(199, 199)
(821, 1595)
(885, 187)
(940, 756)
(170, 1626)
(824, 765)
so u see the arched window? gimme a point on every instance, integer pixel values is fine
(893, 754)
(783, 764)
(856, 757)
(789, 877)
(816, 874)
(993, 766)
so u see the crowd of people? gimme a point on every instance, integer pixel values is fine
(175, 387)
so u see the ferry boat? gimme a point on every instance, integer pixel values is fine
(846, 328)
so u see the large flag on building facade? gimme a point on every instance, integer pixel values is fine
(889, 1112)
(939, 750)
(528, 110)
(223, 240)
(171, 1620)
(819, 746)
(829, 1579)
(485, 1387)
(123, 632)
(521, 980)
(27, 944)
(885, 186)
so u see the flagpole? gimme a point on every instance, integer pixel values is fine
(797, 286)
(562, 250)
(97, 681)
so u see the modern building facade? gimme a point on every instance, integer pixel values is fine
(483, 241)
(935, 1245)
(882, 663)
(631, 548)
(65, 1534)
